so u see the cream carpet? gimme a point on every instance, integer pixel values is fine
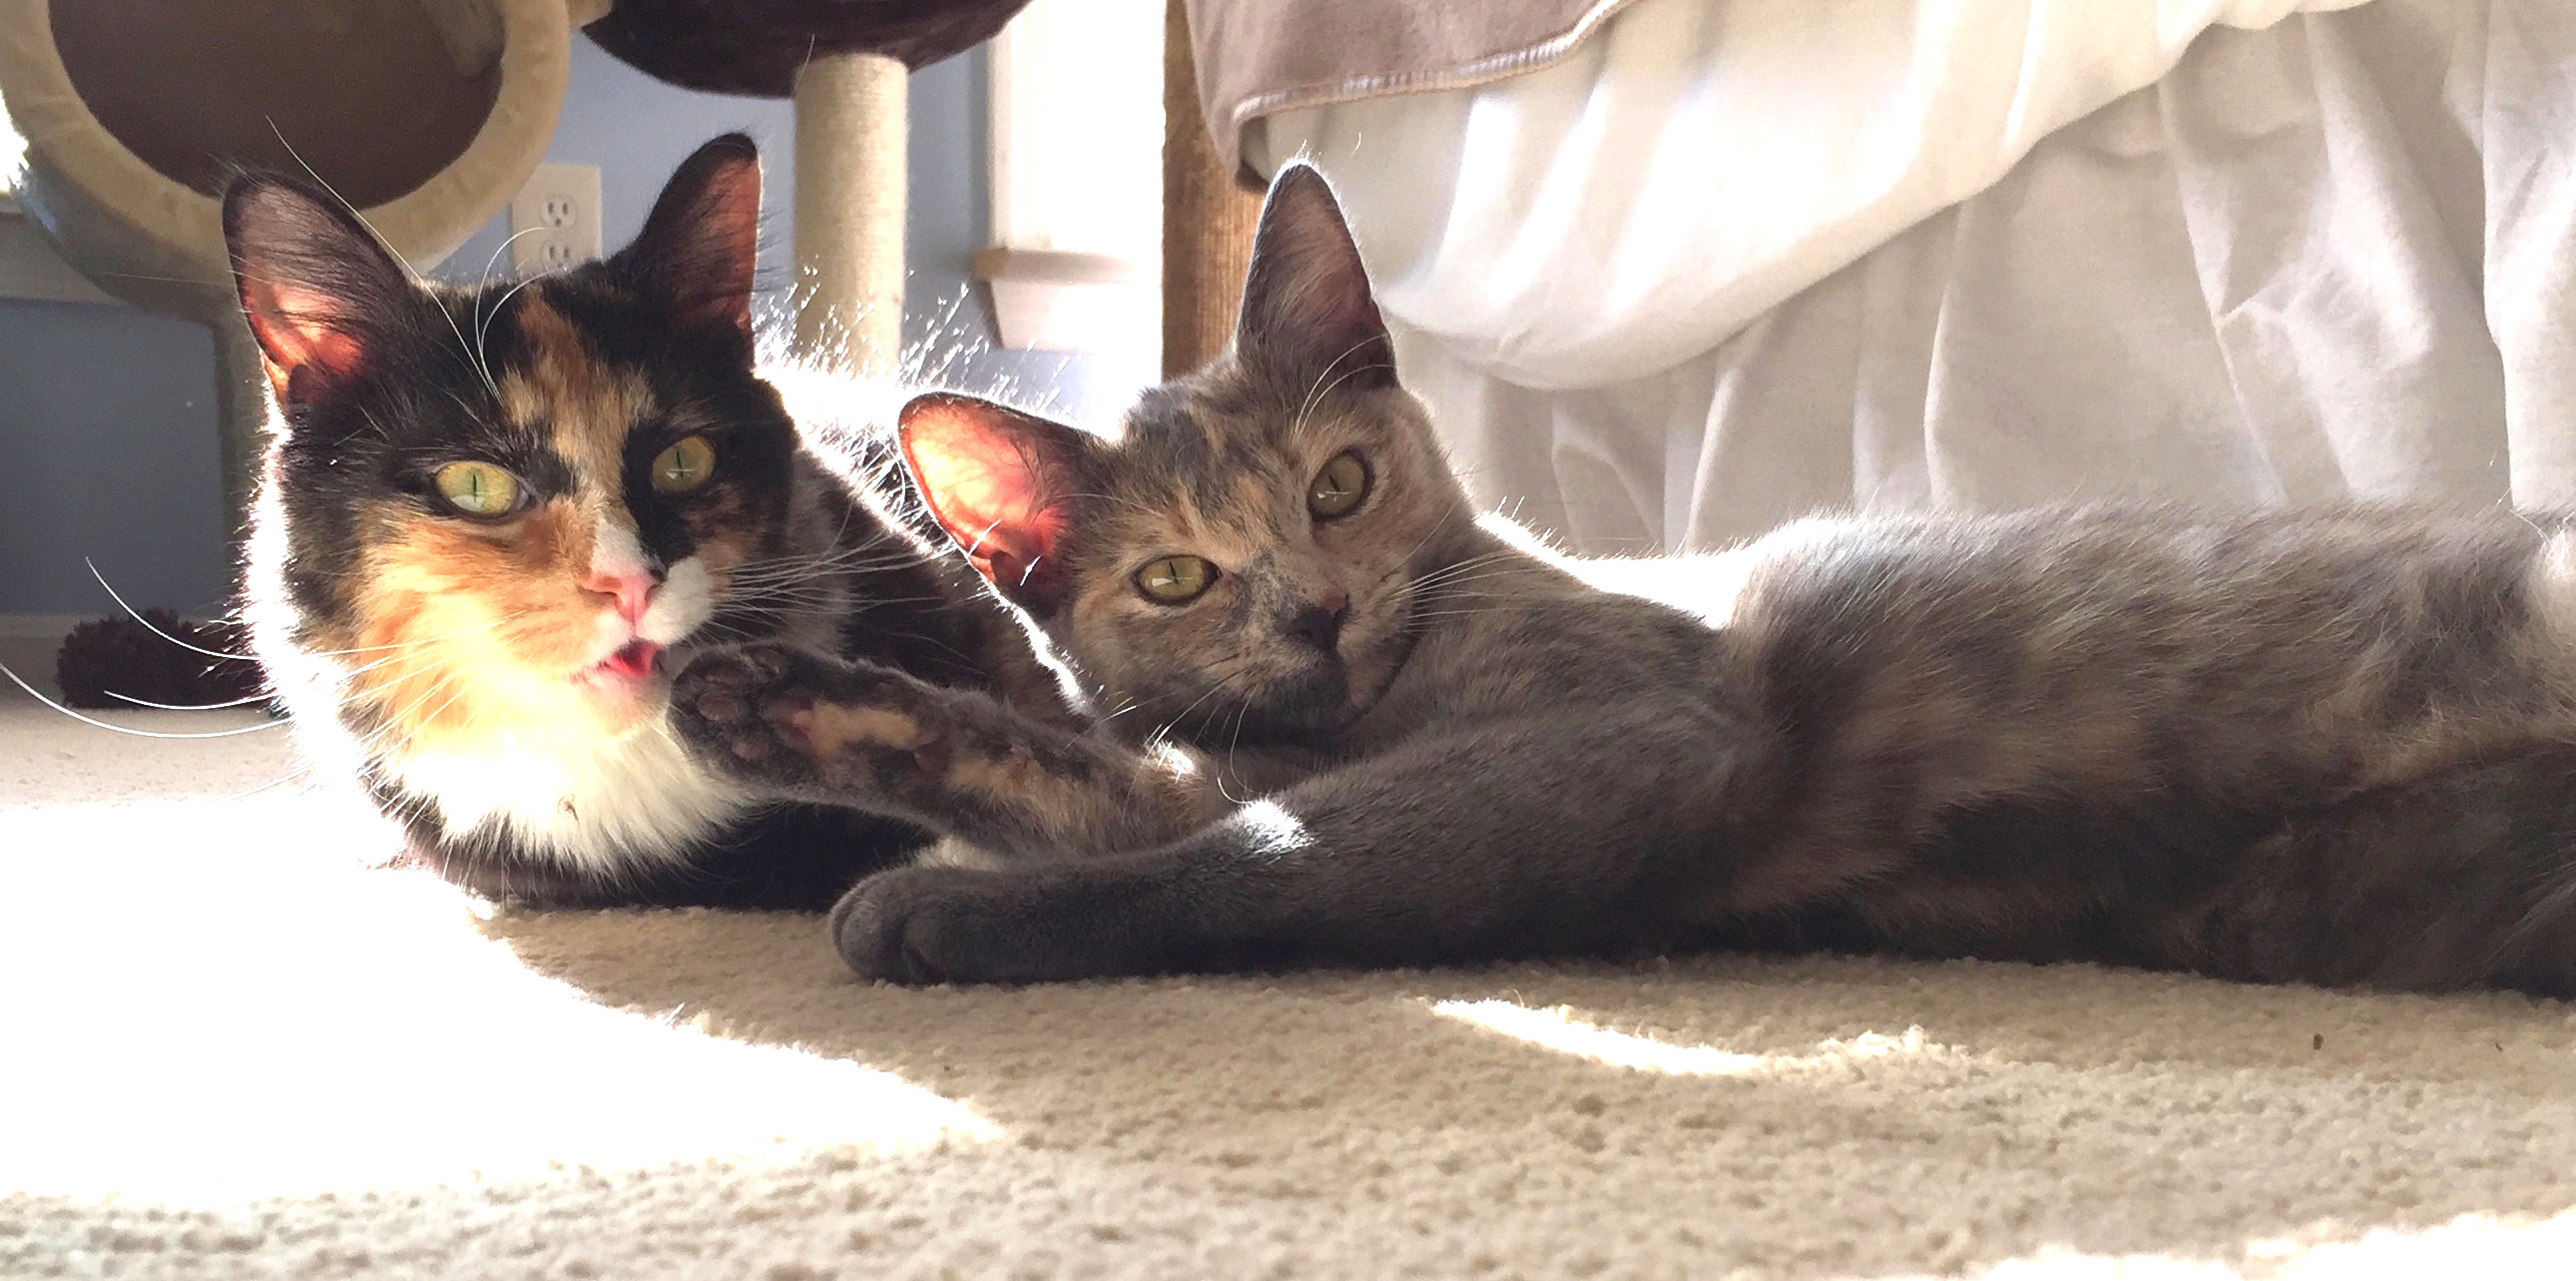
(232, 1051)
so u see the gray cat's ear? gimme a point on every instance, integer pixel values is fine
(1308, 317)
(319, 290)
(1001, 483)
(702, 240)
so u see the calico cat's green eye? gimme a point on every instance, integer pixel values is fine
(684, 466)
(1339, 487)
(480, 490)
(1174, 579)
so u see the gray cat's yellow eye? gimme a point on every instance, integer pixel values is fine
(1339, 487)
(684, 466)
(1174, 579)
(480, 490)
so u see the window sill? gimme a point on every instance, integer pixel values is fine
(1051, 300)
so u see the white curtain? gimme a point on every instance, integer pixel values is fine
(1735, 261)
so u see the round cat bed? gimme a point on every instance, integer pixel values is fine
(425, 114)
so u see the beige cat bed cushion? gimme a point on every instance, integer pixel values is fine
(427, 115)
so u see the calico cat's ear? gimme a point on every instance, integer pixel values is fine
(1000, 482)
(1308, 317)
(317, 287)
(702, 239)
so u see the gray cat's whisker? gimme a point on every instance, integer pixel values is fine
(1317, 390)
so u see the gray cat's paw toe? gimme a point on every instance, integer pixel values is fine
(737, 711)
(923, 925)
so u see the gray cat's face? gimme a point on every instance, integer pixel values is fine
(1242, 560)
(1247, 567)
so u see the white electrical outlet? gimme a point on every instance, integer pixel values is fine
(554, 220)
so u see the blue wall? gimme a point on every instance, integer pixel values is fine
(107, 420)
(108, 414)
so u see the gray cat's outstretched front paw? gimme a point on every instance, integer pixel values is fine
(922, 925)
(788, 720)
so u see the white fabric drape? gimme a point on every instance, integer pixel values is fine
(1730, 263)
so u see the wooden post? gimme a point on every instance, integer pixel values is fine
(1207, 220)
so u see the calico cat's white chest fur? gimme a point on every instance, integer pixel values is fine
(604, 805)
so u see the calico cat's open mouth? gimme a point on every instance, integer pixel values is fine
(633, 661)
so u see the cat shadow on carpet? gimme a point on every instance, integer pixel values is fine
(1738, 1109)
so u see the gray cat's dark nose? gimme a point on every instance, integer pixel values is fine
(1319, 625)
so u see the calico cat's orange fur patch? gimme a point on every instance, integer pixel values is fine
(585, 406)
(444, 606)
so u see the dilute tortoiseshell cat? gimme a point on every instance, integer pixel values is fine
(2334, 746)
(494, 519)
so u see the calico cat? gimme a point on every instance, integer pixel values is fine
(2334, 747)
(492, 520)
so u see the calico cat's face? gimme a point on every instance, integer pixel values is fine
(503, 505)
(1243, 558)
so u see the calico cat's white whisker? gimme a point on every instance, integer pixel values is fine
(355, 213)
(820, 569)
(484, 281)
(39, 696)
(482, 328)
(386, 246)
(867, 554)
(398, 649)
(857, 558)
(406, 722)
(302, 771)
(247, 701)
(137, 616)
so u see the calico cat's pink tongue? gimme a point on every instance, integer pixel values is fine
(632, 662)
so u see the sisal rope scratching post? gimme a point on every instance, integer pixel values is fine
(1207, 220)
(845, 64)
(850, 192)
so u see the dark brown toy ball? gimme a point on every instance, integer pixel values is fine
(156, 660)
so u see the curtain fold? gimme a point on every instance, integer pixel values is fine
(2319, 257)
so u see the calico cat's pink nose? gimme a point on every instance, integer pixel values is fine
(633, 592)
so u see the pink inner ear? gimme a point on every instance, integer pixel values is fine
(733, 228)
(986, 486)
(299, 327)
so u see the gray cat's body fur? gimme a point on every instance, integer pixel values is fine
(2330, 746)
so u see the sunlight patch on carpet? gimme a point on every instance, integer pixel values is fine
(1557, 1029)
(261, 1015)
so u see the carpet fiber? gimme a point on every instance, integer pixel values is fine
(233, 1051)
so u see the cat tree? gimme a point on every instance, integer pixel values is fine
(845, 63)
(136, 113)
